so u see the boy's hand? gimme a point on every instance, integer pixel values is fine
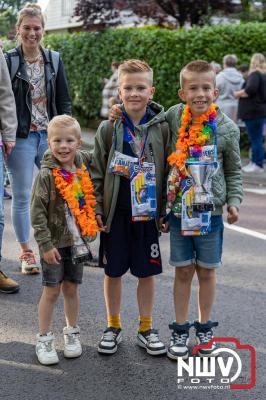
(52, 256)
(102, 227)
(232, 215)
(114, 112)
(163, 225)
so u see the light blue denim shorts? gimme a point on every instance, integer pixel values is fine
(205, 251)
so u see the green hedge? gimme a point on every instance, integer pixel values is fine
(87, 56)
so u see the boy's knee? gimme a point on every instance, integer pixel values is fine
(52, 293)
(205, 273)
(184, 274)
(69, 288)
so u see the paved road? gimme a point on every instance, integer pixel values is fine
(131, 374)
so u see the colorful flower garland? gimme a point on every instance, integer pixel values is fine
(192, 134)
(79, 196)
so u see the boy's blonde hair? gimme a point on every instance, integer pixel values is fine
(196, 66)
(30, 10)
(61, 122)
(134, 66)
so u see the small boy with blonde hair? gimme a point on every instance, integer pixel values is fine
(62, 216)
(194, 128)
(137, 141)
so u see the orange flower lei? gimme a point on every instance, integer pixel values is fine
(84, 212)
(190, 134)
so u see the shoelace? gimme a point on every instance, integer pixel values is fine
(109, 336)
(47, 345)
(180, 338)
(153, 338)
(71, 338)
(28, 256)
(205, 337)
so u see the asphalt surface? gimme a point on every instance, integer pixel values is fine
(131, 373)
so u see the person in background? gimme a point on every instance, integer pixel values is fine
(41, 92)
(216, 66)
(252, 110)
(8, 122)
(110, 91)
(227, 82)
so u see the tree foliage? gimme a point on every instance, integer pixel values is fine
(107, 13)
(8, 12)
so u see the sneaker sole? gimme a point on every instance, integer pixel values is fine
(33, 271)
(51, 362)
(149, 351)
(71, 355)
(10, 291)
(175, 358)
(110, 351)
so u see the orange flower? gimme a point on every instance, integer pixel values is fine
(85, 215)
(190, 134)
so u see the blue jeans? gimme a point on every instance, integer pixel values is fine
(255, 133)
(1, 198)
(20, 163)
(206, 251)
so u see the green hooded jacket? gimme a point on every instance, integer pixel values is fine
(106, 185)
(47, 206)
(227, 183)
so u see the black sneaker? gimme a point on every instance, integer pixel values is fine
(204, 334)
(150, 341)
(179, 341)
(110, 339)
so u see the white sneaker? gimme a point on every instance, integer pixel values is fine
(253, 169)
(45, 349)
(248, 167)
(72, 347)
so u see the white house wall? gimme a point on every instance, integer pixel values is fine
(59, 16)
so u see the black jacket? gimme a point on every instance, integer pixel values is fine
(253, 106)
(58, 99)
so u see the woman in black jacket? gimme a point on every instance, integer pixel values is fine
(41, 91)
(252, 110)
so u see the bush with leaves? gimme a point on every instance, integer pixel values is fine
(88, 55)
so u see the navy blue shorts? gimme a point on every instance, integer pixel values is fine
(130, 245)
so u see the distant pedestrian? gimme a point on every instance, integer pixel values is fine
(110, 91)
(228, 81)
(62, 201)
(252, 110)
(216, 66)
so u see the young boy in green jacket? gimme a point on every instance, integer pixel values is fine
(193, 128)
(63, 219)
(130, 240)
